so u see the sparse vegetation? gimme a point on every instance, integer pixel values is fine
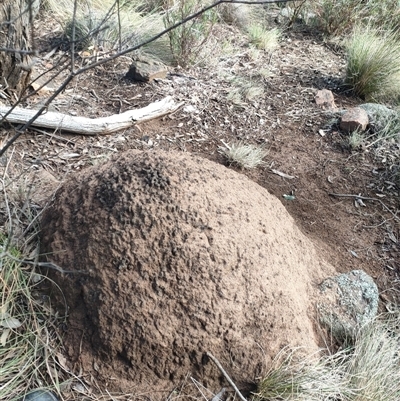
(367, 370)
(373, 64)
(244, 156)
(27, 347)
(338, 17)
(109, 26)
(355, 139)
(244, 90)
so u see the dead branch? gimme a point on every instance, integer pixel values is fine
(368, 199)
(90, 126)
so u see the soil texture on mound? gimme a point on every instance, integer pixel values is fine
(173, 256)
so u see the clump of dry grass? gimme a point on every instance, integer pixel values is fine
(244, 156)
(262, 38)
(27, 342)
(368, 369)
(29, 346)
(294, 376)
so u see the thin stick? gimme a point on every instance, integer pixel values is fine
(230, 381)
(366, 198)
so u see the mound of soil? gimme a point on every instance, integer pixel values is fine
(173, 256)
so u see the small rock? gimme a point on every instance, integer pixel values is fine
(353, 119)
(40, 395)
(146, 70)
(324, 99)
(348, 301)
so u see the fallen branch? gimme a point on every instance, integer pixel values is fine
(366, 198)
(90, 126)
(281, 174)
(230, 381)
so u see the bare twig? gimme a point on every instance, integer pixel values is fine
(230, 381)
(368, 199)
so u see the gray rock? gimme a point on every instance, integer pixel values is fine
(354, 119)
(379, 115)
(348, 301)
(40, 395)
(146, 70)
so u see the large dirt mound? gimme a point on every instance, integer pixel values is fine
(176, 256)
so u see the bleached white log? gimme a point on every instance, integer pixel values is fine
(91, 126)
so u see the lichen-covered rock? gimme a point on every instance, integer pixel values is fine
(348, 302)
(173, 256)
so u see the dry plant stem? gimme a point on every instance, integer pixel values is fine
(45, 265)
(73, 38)
(73, 74)
(366, 198)
(230, 381)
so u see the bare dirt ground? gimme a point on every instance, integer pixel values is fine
(285, 119)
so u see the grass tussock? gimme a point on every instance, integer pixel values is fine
(262, 38)
(373, 64)
(244, 156)
(356, 139)
(367, 370)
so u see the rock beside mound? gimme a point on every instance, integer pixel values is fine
(173, 256)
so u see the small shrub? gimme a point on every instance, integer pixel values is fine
(336, 17)
(244, 156)
(373, 64)
(187, 40)
(262, 38)
(239, 15)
